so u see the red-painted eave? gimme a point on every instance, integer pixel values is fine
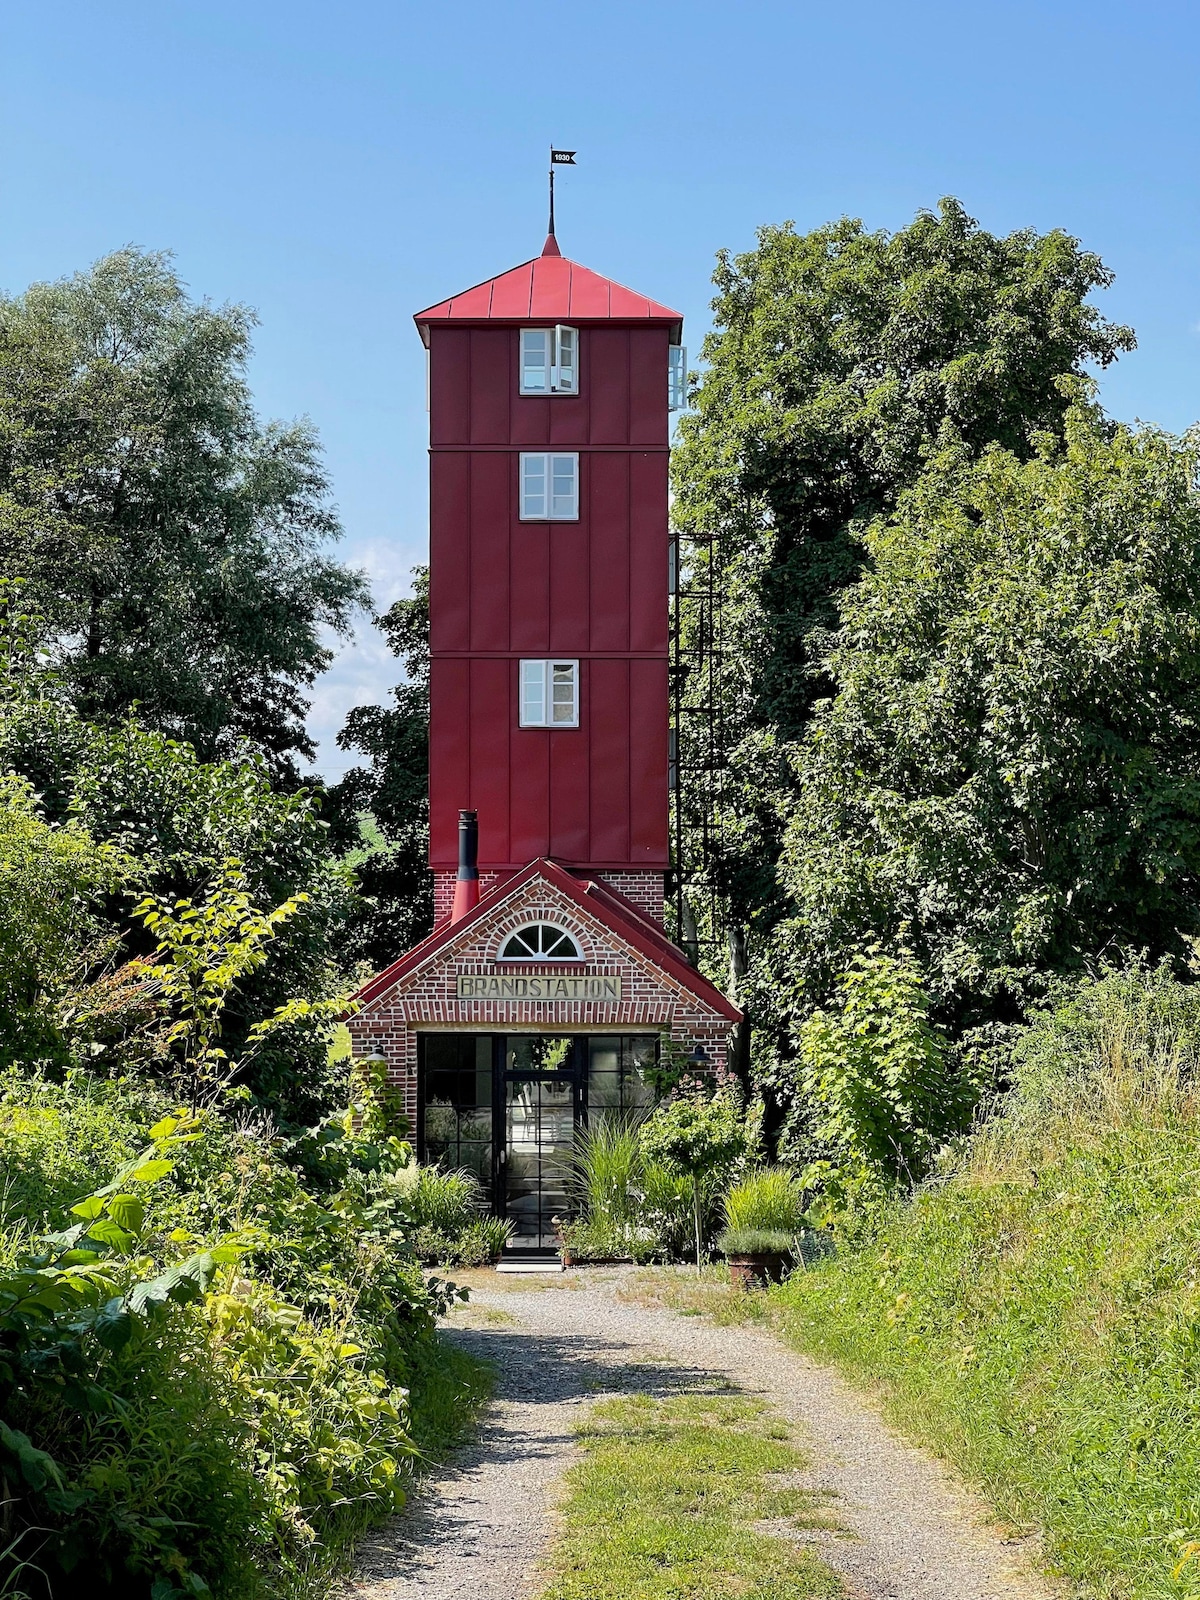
(548, 289)
(592, 896)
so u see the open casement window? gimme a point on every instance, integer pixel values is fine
(549, 488)
(540, 941)
(677, 379)
(550, 360)
(549, 694)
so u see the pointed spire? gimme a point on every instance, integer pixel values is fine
(550, 248)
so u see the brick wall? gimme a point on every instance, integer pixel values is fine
(645, 889)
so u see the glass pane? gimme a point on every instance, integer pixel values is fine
(563, 692)
(533, 694)
(540, 1124)
(556, 943)
(535, 362)
(533, 486)
(537, 1052)
(457, 1112)
(562, 493)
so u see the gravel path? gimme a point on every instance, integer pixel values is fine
(480, 1531)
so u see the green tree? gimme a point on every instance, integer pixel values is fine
(53, 881)
(696, 1137)
(1010, 764)
(875, 1094)
(380, 812)
(839, 358)
(174, 543)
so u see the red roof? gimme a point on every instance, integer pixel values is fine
(595, 898)
(548, 289)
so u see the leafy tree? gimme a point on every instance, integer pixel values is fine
(52, 882)
(874, 1093)
(696, 1137)
(174, 543)
(174, 822)
(838, 360)
(381, 811)
(1010, 764)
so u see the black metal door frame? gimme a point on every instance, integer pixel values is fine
(502, 1077)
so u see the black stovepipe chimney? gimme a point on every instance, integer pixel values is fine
(466, 885)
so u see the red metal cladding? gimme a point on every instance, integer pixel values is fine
(592, 590)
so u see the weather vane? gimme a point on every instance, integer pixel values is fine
(558, 158)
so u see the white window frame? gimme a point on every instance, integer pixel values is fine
(677, 399)
(542, 504)
(558, 364)
(535, 693)
(576, 950)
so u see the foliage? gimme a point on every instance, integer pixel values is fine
(605, 1238)
(874, 1095)
(752, 1241)
(698, 1138)
(52, 881)
(255, 1430)
(671, 1498)
(381, 811)
(447, 1213)
(605, 1169)
(173, 542)
(1008, 767)
(173, 822)
(838, 359)
(1033, 1314)
(770, 1197)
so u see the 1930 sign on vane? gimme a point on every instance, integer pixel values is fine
(490, 986)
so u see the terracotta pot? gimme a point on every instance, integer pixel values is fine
(756, 1272)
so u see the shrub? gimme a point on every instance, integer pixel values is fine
(748, 1241)
(239, 1432)
(875, 1093)
(605, 1171)
(698, 1139)
(446, 1209)
(769, 1198)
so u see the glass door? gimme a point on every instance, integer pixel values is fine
(540, 1105)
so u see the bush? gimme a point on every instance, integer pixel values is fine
(755, 1242)
(875, 1095)
(446, 1209)
(770, 1198)
(203, 1380)
(698, 1139)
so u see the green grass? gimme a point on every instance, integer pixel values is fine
(1037, 1321)
(448, 1390)
(668, 1502)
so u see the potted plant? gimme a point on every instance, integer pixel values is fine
(756, 1256)
(763, 1215)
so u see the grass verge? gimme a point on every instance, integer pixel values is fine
(448, 1390)
(684, 1497)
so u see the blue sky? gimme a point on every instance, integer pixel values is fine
(340, 166)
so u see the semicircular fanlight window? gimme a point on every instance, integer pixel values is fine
(540, 941)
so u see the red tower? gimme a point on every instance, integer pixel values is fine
(548, 985)
(548, 546)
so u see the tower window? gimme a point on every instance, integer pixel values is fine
(540, 941)
(549, 488)
(549, 694)
(677, 379)
(550, 360)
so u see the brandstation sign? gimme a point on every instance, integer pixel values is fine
(521, 986)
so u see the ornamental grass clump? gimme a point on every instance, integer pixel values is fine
(770, 1198)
